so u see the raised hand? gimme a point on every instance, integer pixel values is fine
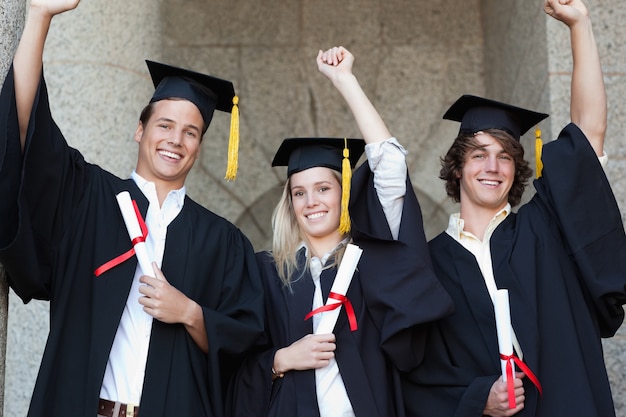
(588, 106)
(335, 62)
(29, 55)
(567, 11)
(52, 7)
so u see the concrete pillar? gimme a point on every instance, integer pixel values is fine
(4, 306)
(11, 22)
(98, 84)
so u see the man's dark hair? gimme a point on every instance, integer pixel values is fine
(147, 111)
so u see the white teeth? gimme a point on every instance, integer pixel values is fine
(170, 154)
(486, 182)
(315, 216)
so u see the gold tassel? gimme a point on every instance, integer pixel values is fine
(233, 142)
(538, 148)
(346, 177)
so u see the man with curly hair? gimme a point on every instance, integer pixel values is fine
(561, 256)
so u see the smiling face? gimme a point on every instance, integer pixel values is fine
(316, 201)
(169, 143)
(487, 176)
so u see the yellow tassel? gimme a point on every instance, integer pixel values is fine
(346, 177)
(233, 142)
(538, 148)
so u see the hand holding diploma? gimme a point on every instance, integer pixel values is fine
(315, 351)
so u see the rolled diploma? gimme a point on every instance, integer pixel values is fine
(342, 281)
(134, 231)
(503, 326)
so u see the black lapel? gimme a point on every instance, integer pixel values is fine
(299, 301)
(473, 285)
(522, 289)
(177, 248)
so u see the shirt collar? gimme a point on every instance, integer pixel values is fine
(325, 257)
(148, 188)
(456, 224)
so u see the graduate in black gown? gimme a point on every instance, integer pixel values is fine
(561, 256)
(351, 371)
(121, 342)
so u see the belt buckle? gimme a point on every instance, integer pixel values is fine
(130, 410)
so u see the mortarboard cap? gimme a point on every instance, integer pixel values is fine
(477, 113)
(298, 154)
(208, 93)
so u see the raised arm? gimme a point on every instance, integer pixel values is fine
(387, 162)
(28, 59)
(588, 101)
(336, 64)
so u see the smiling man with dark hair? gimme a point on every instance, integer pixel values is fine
(123, 339)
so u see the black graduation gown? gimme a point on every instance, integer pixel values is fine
(392, 292)
(563, 259)
(66, 224)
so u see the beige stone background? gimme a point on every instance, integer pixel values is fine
(413, 58)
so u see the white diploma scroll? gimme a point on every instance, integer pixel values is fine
(503, 326)
(342, 281)
(134, 231)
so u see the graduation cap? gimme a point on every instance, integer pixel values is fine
(339, 154)
(208, 93)
(477, 113)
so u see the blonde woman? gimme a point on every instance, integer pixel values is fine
(352, 371)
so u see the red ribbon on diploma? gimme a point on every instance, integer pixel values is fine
(343, 300)
(127, 255)
(509, 376)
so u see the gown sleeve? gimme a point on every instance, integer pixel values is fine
(237, 323)
(399, 286)
(42, 187)
(576, 190)
(251, 390)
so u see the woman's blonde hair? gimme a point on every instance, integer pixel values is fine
(287, 237)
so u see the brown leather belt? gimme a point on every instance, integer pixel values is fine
(106, 408)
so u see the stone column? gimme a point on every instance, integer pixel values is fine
(11, 23)
(98, 83)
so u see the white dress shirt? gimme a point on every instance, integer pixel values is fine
(387, 160)
(123, 378)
